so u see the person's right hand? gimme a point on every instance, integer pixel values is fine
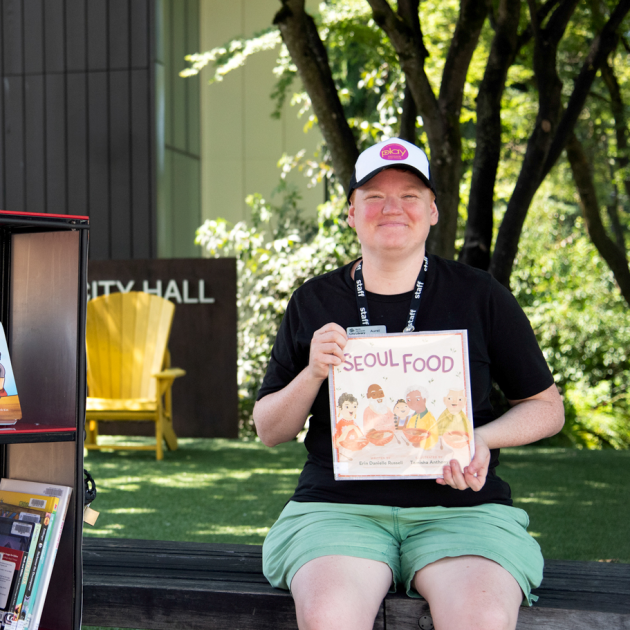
(327, 347)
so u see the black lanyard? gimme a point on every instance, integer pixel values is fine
(415, 299)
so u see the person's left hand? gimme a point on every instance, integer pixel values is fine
(474, 475)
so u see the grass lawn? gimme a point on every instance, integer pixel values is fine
(208, 490)
(231, 492)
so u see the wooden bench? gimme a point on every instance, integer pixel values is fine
(161, 585)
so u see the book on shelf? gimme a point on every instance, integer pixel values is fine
(10, 410)
(28, 515)
(400, 406)
(59, 497)
(29, 532)
(37, 511)
(11, 560)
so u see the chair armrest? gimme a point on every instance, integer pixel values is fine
(170, 373)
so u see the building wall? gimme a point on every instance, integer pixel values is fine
(77, 117)
(96, 120)
(241, 143)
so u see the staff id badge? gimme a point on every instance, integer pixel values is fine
(366, 331)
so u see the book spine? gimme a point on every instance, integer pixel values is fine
(49, 562)
(38, 560)
(27, 611)
(13, 619)
(14, 591)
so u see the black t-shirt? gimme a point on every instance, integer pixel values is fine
(502, 346)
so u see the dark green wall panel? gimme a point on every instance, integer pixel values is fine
(78, 123)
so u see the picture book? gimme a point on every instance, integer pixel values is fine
(12, 616)
(35, 606)
(18, 536)
(8, 577)
(400, 406)
(32, 508)
(10, 410)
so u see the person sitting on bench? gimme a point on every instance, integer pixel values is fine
(339, 546)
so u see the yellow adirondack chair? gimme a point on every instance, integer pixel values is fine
(128, 365)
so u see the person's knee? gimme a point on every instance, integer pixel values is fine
(488, 617)
(495, 618)
(330, 613)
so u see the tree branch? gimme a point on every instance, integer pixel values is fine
(621, 124)
(408, 117)
(607, 248)
(441, 117)
(549, 108)
(406, 38)
(478, 236)
(472, 14)
(601, 47)
(541, 14)
(307, 51)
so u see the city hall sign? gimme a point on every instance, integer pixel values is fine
(202, 342)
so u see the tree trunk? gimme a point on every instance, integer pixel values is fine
(441, 115)
(307, 51)
(478, 236)
(408, 117)
(603, 44)
(621, 124)
(607, 248)
(549, 108)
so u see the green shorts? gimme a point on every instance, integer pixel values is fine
(406, 539)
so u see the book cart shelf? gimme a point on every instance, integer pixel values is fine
(43, 297)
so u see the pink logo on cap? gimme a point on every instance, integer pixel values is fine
(394, 152)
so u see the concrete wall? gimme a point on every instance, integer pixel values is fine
(241, 143)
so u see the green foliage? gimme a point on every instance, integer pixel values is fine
(279, 252)
(565, 287)
(581, 321)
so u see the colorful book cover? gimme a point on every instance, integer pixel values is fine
(10, 410)
(18, 536)
(28, 515)
(42, 580)
(8, 582)
(12, 616)
(24, 506)
(400, 406)
(38, 563)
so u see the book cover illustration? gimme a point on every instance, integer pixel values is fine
(401, 407)
(10, 410)
(12, 561)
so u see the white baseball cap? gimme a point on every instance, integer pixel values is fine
(388, 154)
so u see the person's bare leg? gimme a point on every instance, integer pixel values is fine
(339, 592)
(468, 593)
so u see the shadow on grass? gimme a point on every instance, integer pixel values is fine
(207, 491)
(577, 500)
(231, 492)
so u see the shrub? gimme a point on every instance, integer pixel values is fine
(279, 252)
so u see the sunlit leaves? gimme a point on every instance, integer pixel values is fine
(275, 255)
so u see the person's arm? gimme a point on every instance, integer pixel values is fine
(528, 420)
(280, 416)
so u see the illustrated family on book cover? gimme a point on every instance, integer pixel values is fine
(401, 406)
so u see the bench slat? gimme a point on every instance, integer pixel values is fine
(163, 584)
